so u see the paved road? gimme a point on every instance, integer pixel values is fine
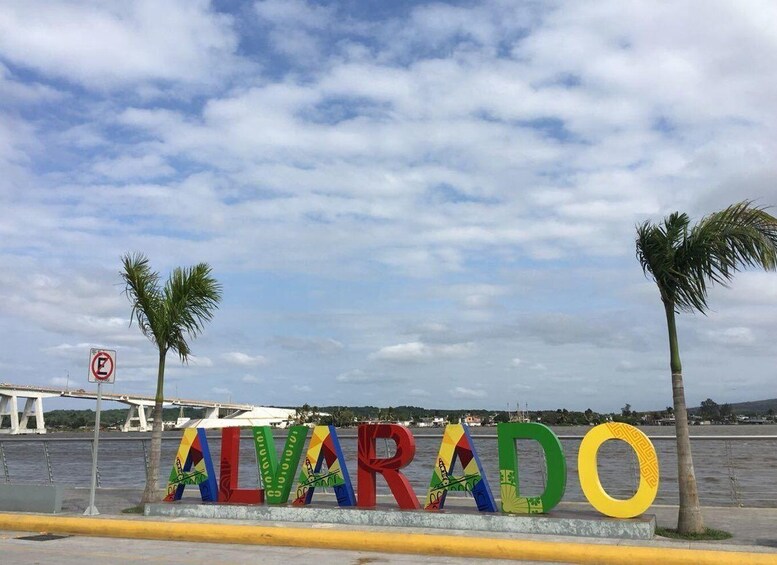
(78, 550)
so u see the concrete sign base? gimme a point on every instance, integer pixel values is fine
(561, 523)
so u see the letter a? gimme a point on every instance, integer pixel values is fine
(324, 446)
(457, 444)
(192, 466)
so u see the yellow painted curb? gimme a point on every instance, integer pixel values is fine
(386, 542)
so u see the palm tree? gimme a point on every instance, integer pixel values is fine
(683, 261)
(168, 316)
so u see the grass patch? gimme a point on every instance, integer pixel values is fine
(133, 510)
(708, 534)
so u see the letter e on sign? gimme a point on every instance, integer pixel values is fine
(102, 366)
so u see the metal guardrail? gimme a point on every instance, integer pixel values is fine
(755, 493)
(38, 438)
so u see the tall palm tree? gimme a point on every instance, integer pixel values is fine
(168, 316)
(683, 261)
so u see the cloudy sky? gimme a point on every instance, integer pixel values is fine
(406, 202)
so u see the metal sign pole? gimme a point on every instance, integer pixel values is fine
(91, 510)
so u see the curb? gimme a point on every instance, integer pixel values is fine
(384, 542)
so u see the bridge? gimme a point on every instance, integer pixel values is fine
(138, 416)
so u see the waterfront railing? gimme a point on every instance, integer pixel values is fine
(731, 470)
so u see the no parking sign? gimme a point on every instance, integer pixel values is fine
(102, 366)
(102, 369)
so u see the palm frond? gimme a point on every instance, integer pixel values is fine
(141, 285)
(684, 262)
(191, 296)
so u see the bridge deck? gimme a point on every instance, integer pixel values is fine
(21, 390)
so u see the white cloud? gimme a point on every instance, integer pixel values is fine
(515, 362)
(302, 388)
(373, 378)
(731, 336)
(15, 91)
(244, 359)
(748, 288)
(355, 376)
(462, 392)
(481, 166)
(67, 349)
(108, 45)
(69, 303)
(325, 346)
(410, 352)
(294, 13)
(433, 327)
(478, 296)
(128, 167)
(418, 352)
(199, 361)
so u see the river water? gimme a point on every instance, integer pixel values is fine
(741, 471)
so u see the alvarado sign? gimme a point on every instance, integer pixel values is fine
(194, 466)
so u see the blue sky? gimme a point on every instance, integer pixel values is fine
(420, 203)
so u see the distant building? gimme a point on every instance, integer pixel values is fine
(470, 420)
(259, 416)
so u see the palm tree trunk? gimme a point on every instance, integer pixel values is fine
(689, 519)
(151, 492)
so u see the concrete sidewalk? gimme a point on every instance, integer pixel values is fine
(753, 529)
(77, 550)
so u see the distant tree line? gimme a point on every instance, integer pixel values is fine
(341, 416)
(346, 416)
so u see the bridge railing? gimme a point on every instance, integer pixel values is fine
(731, 470)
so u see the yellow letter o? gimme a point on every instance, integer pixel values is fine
(589, 472)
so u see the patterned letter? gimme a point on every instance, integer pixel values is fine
(457, 444)
(369, 464)
(324, 446)
(277, 479)
(512, 501)
(192, 466)
(589, 473)
(229, 471)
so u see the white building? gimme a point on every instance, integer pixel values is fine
(259, 416)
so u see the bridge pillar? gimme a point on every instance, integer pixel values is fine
(9, 407)
(212, 412)
(136, 413)
(33, 407)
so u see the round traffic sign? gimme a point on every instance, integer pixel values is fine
(102, 366)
